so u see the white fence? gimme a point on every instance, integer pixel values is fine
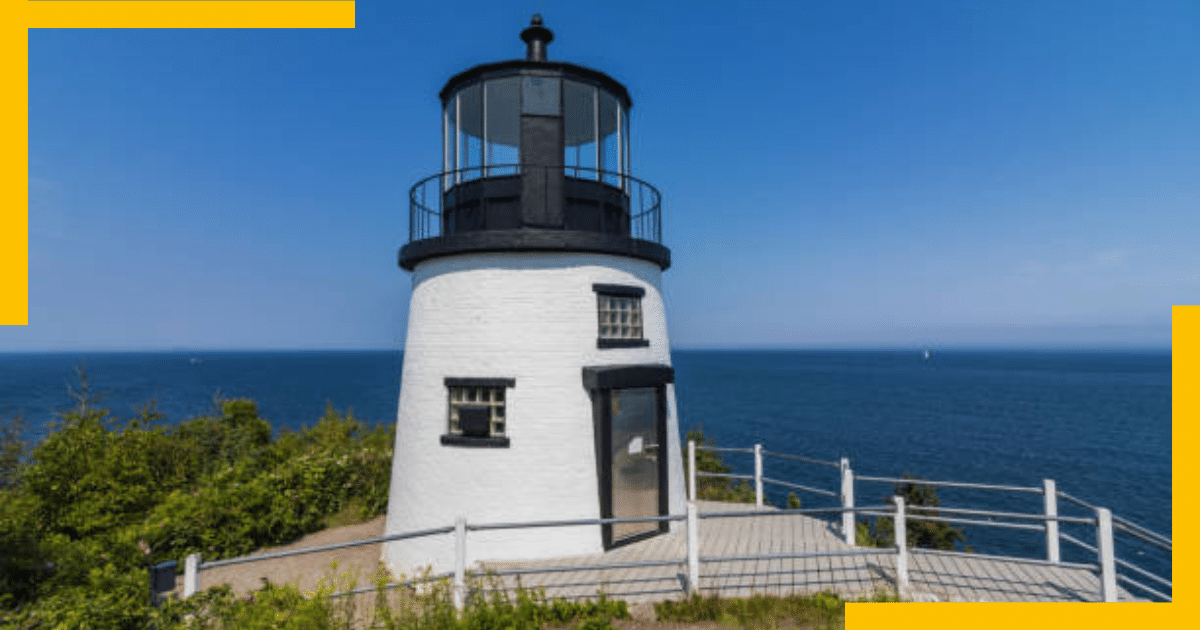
(1105, 523)
(1107, 566)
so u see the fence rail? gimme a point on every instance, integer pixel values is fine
(800, 458)
(953, 484)
(213, 564)
(1105, 523)
(723, 449)
(796, 486)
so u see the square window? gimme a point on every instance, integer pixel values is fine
(619, 316)
(476, 410)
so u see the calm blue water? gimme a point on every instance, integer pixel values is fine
(1100, 424)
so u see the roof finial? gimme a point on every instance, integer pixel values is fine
(536, 37)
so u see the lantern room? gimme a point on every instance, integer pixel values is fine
(533, 145)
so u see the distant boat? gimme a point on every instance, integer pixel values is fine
(195, 361)
(928, 354)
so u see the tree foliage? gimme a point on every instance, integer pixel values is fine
(722, 489)
(919, 500)
(716, 488)
(79, 511)
(12, 449)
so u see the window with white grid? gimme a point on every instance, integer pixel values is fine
(491, 396)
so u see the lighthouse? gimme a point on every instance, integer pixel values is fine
(537, 381)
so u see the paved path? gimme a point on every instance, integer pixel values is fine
(933, 577)
(307, 571)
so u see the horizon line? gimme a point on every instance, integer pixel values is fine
(1139, 348)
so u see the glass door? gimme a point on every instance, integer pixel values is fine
(636, 469)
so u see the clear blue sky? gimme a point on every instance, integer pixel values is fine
(836, 174)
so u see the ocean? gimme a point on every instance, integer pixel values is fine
(1098, 423)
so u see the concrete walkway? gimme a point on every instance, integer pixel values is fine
(932, 577)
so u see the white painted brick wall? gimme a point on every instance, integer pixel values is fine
(532, 317)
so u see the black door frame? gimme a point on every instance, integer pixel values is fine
(600, 382)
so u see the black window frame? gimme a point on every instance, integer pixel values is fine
(452, 439)
(622, 291)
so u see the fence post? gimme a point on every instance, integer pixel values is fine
(1050, 496)
(692, 469)
(693, 549)
(191, 575)
(758, 493)
(1104, 545)
(460, 561)
(848, 524)
(901, 534)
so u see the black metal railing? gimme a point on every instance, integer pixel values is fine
(621, 204)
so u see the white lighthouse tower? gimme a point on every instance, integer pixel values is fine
(537, 379)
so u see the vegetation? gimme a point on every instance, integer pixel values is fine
(85, 512)
(12, 450)
(719, 488)
(819, 610)
(919, 499)
(401, 609)
(88, 509)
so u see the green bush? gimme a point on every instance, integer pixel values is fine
(918, 499)
(239, 510)
(22, 559)
(716, 488)
(84, 513)
(821, 610)
(12, 450)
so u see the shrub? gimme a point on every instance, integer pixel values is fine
(918, 499)
(100, 498)
(716, 488)
(822, 610)
(12, 450)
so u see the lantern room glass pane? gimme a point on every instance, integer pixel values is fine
(450, 140)
(609, 130)
(503, 109)
(470, 125)
(579, 129)
(541, 96)
(626, 139)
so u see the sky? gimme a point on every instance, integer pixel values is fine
(840, 174)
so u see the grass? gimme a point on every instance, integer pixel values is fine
(350, 514)
(491, 607)
(820, 611)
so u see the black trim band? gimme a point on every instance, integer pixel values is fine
(475, 442)
(623, 376)
(621, 343)
(529, 239)
(620, 290)
(480, 382)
